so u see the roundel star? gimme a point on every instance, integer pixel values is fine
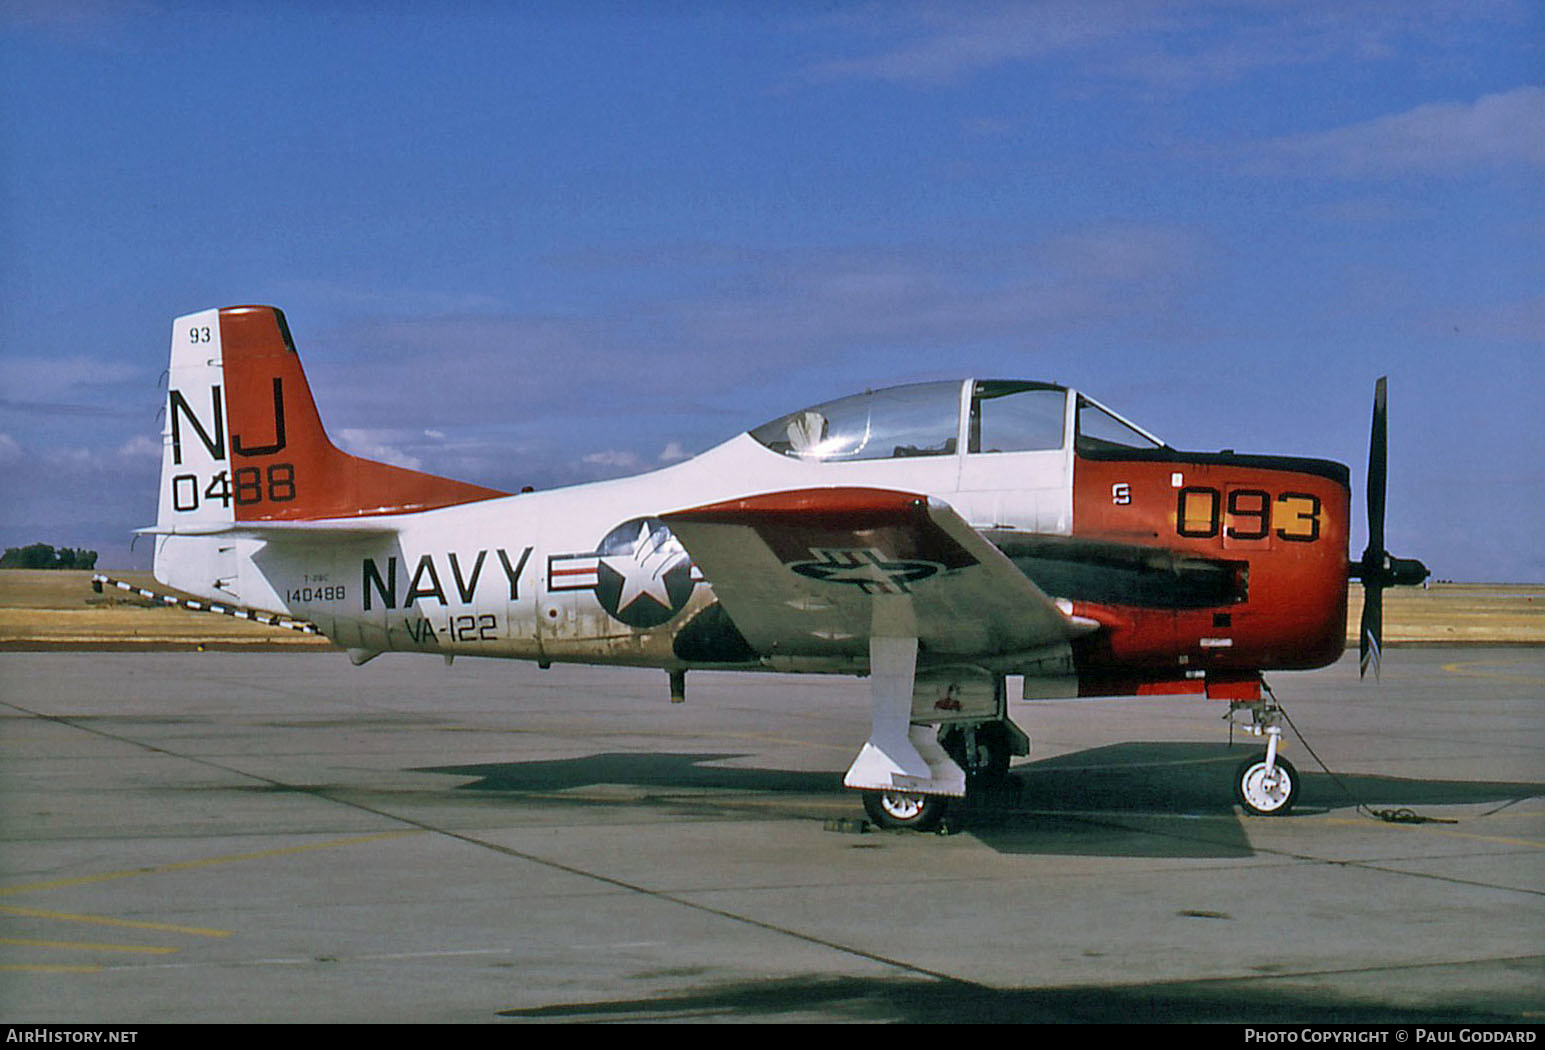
(643, 575)
(653, 553)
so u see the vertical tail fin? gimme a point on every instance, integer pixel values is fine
(244, 443)
(195, 465)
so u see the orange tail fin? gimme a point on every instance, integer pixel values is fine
(278, 464)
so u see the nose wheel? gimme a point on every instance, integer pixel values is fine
(1266, 785)
(1266, 789)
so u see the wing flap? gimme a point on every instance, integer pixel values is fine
(821, 571)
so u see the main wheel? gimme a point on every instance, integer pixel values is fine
(988, 761)
(906, 810)
(1263, 796)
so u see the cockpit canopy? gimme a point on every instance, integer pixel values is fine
(939, 419)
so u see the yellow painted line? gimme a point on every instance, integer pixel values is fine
(100, 920)
(138, 949)
(46, 968)
(208, 862)
(1469, 670)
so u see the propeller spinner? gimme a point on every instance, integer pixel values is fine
(1378, 569)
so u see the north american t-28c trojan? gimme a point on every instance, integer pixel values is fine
(951, 540)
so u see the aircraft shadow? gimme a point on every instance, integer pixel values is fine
(1198, 778)
(1140, 799)
(1124, 799)
(638, 769)
(901, 1000)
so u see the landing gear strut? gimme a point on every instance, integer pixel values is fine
(983, 751)
(1266, 785)
(912, 771)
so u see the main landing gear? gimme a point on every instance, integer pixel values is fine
(910, 773)
(906, 810)
(982, 751)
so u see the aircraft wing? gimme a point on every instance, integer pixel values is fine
(822, 571)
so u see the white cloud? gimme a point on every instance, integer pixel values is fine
(37, 378)
(1163, 43)
(1502, 130)
(136, 457)
(141, 447)
(74, 459)
(74, 18)
(620, 458)
(377, 445)
(946, 43)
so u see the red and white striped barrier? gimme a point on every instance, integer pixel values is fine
(268, 619)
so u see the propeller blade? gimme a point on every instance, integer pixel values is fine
(1377, 570)
(1371, 635)
(1378, 469)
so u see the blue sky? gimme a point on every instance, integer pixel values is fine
(547, 243)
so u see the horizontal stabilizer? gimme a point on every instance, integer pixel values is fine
(318, 531)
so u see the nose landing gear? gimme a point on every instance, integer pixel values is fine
(1266, 785)
(1266, 788)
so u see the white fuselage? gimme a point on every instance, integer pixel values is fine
(525, 576)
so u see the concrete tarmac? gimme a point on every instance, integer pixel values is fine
(284, 837)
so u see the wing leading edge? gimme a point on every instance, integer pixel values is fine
(823, 571)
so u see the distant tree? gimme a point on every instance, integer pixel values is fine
(77, 558)
(36, 556)
(43, 556)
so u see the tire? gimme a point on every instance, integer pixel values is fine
(1261, 799)
(905, 810)
(992, 756)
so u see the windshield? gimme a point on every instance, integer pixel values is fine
(1100, 429)
(918, 420)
